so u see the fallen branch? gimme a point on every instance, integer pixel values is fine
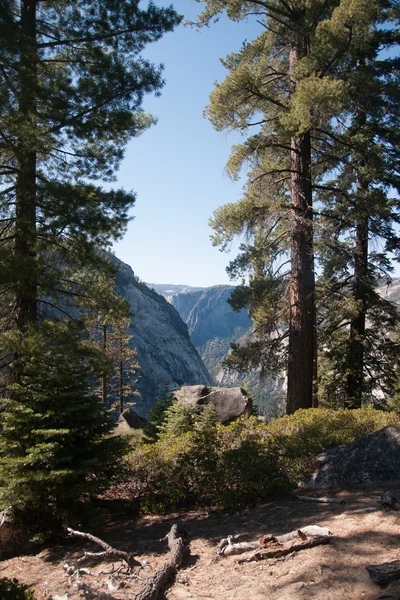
(159, 581)
(109, 551)
(231, 545)
(278, 552)
(384, 574)
(323, 499)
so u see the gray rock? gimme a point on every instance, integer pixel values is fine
(12, 538)
(230, 403)
(129, 419)
(374, 458)
(208, 314)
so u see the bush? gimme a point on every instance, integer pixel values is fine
(10, 589)
(309, 432)
(226, 467)
(245, 462)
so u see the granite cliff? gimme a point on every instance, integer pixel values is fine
(212, 323)
(165, 352)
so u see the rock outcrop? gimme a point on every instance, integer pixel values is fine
(129, 419)
(13, 539)
(229, 403)
(374, 458)
(165, 353)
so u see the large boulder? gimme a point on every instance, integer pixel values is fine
(128, 420)
(13, 538)
(230, 403)
(374, 458)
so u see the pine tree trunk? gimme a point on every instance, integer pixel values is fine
(121, 387)
(355, 356)
(25, 215)
(301, 323)
(104, 381)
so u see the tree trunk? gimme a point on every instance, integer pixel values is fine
(104, 379)
(355, 354)
(355, 357)
(301, 319)
(121, 387)
(25, 215)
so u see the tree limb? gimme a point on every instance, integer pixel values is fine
(109, 551)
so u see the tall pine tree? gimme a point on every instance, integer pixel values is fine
(359, 211)
(72, 84)
(284, 84)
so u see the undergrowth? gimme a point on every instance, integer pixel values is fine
(231, 467)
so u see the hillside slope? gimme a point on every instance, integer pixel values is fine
(165, 353)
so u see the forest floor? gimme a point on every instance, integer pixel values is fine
(363, 534)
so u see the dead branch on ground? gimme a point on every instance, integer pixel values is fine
(109, 551)
(323, 499)
(385, 573)
(159, 581)
(282, 549)
(231, 545)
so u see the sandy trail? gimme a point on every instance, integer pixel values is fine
(364, 534)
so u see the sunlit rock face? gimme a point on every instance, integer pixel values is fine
(165, 353)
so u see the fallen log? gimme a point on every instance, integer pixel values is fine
(278, 552)
(108, 551)
(385, 573)
(323, 499)
(159, 581)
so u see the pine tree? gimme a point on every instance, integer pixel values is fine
(107, 317)
(72, 85)
(283, 84)
(359, 213)
(54, 447)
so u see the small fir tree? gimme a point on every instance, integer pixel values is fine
(55, 446)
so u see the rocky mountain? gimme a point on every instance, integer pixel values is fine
(212, 324)
(391, 291)
(165, 353)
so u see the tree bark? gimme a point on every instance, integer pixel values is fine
(25, 215)
(386, 573)
(301, 318)
(104, 378)
(355, 357)
(156, 584)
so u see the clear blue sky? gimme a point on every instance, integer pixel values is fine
(177, 167)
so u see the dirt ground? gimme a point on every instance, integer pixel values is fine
(363, 534)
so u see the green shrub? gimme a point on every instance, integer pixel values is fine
(309, 432)
(10, 589)
(236, 465)
(226, 467)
